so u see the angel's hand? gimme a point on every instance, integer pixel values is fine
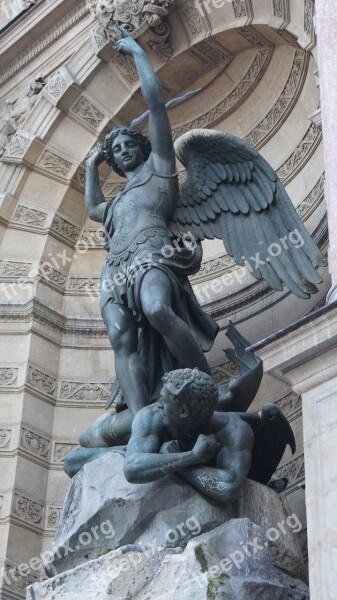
(127, 44)
(96, 155)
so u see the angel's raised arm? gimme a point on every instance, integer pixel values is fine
(163, 155)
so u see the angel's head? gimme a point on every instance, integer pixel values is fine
(126, 149)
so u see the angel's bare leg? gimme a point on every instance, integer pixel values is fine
(123, 335)
(156, 299)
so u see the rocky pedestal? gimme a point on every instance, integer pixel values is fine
(165, 540)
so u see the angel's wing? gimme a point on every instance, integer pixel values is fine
(233, 194)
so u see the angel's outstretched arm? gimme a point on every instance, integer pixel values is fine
(163, 155)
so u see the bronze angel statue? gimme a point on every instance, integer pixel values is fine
(154, 229)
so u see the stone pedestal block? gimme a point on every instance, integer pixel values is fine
(231, 562)
(103, 512)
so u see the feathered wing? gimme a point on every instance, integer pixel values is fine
(232, 193)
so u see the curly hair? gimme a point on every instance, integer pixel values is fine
(141, 140)
(196, 389)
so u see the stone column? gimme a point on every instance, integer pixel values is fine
(305, 355)
(326, 23)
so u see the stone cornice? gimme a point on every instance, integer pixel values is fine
(304, 353)
(36, 311)
(41, 24)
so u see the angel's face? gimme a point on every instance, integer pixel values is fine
(127, 153)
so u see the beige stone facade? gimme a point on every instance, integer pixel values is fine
(62, 87)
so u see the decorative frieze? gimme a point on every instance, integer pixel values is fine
(80, 177)
(111, 189)
(84, 392)
(225, 372)
(266, 128)
(126, 66)
(17, 581)
(314, 198)
(83, 284)
(28, 510)
(301, 155)
(18, 146)
(192, 16)
(240, 8)
(253, 37)
(279, 8)
(5, 438)
(35, 443)
(41, 381)
(53, 516)
(8, 376)
(309, 12)
(214, 266)
(13, 269)
(60, 451)
(53, 163)
(92, 238)
(57, 85)
(65, 230)
(212, 52)
(236, 97)
(30, 217)
(99, 38)
(290, 404)
(87, 112)
(53, 277)
(293, 470)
